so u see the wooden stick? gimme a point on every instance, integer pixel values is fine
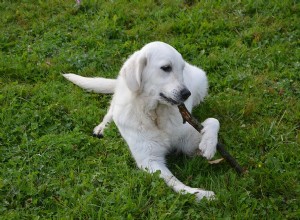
(187, 117)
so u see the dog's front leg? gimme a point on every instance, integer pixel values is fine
(209, 139)
(158, 164)
(99, 129)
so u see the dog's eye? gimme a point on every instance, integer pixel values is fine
(166, 68)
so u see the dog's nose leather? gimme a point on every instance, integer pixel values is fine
(185, 93)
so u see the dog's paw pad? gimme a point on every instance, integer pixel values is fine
(98, 131)
(100, 135)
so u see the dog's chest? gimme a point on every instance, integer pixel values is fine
(167, 119)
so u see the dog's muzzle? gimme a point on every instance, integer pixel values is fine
(181, 96)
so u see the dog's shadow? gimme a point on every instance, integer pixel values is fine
(194, 169)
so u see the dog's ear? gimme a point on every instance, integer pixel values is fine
(132, 70)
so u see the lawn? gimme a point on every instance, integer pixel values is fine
(52, 167)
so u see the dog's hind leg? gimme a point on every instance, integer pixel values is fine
(99, 129)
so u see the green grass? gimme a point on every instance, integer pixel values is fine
(51, 166)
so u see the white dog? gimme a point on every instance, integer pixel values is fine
(151, 83)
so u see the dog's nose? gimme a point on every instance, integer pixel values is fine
(185, 93)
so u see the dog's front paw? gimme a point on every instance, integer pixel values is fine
(98, 131)
(209, 140)
(208, 146)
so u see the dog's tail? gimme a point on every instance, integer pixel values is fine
(97, 85)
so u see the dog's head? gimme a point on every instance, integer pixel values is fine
(156, 71)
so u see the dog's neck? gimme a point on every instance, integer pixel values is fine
(154, 110)
(147, 104)
(142, 103)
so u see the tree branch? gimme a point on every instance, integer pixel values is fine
(187, 117)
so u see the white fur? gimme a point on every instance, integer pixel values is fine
(144, 108)
(97, 85)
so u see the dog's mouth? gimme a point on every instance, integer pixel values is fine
(182, 96)
(169, 100)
